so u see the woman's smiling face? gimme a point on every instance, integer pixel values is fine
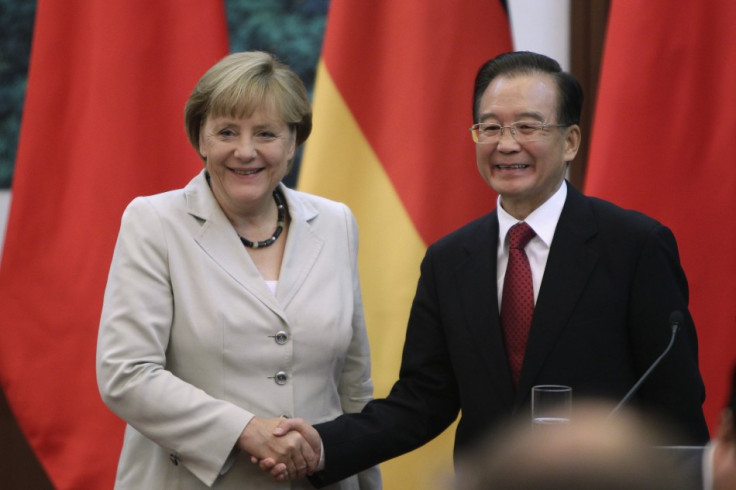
(246, 158)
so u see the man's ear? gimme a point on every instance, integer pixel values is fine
(572, 142)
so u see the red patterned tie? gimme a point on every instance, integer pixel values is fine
(517, 301)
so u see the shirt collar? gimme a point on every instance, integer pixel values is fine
(542, 220)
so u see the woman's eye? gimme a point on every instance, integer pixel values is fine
(266, 135)
(226, 132)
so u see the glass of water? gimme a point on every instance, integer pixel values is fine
(551, 404)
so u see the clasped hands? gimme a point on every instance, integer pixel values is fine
(287, 449)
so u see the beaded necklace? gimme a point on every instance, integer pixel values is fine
(279, 225)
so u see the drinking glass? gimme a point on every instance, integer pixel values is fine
(551, 404)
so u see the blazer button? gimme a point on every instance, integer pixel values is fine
(174, 459)
(281, 337)
(280, 378)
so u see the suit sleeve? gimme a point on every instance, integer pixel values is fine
(356, 384)
(134, 332)
(675, 387)
(421, 404)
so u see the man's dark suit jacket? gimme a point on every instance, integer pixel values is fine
(612, 279)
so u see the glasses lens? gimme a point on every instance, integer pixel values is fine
(527, 129)
(521, 131)
(486, 133)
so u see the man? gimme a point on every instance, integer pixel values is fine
(719, 458)
(604, 282)
(712, 467)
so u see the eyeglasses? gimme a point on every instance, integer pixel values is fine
(522, 131)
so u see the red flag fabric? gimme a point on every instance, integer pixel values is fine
(664, 139)
(102, 123)
(392, 108)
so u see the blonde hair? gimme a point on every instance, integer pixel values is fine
(241, 83)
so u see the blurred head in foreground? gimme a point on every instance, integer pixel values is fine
(724, 444)
(593, 451)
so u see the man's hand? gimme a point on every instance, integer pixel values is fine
(290, 453)
(288, 428)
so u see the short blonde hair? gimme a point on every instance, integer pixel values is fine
(241, 83)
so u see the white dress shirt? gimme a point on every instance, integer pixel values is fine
(543, 221)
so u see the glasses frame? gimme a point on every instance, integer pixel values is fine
(512, 129)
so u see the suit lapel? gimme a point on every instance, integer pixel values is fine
(220, 242)
(569, 266)
(303, 246)
(476, 283)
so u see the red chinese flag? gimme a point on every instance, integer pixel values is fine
(664, 140)
(392, 108)
(102, 123)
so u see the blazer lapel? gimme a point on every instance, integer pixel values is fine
(477, 285)
(569, 265)
(303, 246)
(220, 242)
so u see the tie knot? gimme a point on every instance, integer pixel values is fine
(520, 234)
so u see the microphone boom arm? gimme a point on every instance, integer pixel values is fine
(675, 320)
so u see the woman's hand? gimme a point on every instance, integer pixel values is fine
(290, 450)
(291, 428)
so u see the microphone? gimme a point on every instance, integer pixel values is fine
(676, 319)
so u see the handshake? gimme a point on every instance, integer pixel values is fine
(288, 449)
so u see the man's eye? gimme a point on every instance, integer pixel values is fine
(491, 128)
(527, 128)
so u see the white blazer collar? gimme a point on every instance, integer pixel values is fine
(220, 242)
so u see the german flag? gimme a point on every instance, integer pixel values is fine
(392, 108)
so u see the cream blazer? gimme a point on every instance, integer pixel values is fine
(193, 344)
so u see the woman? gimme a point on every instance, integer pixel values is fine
(233, 301)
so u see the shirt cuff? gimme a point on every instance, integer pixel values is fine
(321, 464)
